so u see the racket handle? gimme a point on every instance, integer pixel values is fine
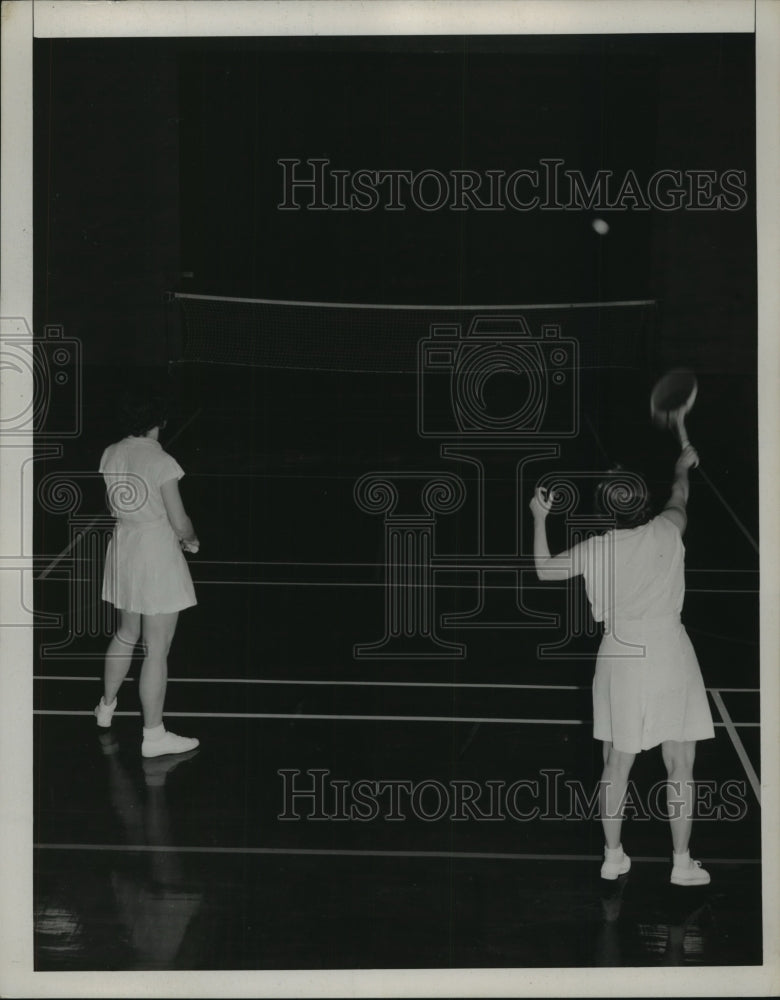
(679, 419)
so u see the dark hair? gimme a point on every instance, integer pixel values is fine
(140, 410)
(623, 497)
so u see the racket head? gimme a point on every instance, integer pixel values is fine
(673, 396)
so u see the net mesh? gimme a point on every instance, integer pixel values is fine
(385, 338)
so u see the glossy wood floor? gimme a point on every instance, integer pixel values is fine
(188, 864)
(185, 863)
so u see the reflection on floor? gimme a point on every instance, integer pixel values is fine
(139, 895)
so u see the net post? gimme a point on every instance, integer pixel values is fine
(172, 325)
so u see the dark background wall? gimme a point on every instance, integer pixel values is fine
(106, 209)
(158, 157)
(156, 170)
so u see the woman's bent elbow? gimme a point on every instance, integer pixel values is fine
(552, 574)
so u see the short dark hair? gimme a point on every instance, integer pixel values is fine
(139, 410)
(623, 497)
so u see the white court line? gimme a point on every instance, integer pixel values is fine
(434, 684)
(264, 680)
(340, 718)
(486, 562)
(413, 586)
(72, 544)
(555, 584)
(332, 852)
(738, 745)
(730, 509)
(66, 551)
(356, 718)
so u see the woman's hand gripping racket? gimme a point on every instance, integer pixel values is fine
(541, 502)
(192, 547)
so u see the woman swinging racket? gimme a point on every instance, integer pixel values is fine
(647, 689)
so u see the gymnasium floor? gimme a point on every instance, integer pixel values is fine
(186, 864)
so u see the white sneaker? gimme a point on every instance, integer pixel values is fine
(690, 873)
(168, 743)
(614, 869)
(104, 713)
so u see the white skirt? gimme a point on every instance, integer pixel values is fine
(146, 571)
(648, 687)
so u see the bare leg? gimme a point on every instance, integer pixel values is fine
(678, 758)
(157, 742)
(612, 791)
(119, 654)
(158, 632)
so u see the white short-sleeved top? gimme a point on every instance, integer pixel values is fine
(134, 469)
(634, 574)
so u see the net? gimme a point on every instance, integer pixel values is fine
(387, 338)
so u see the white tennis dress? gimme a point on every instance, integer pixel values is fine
(145, 569)
(647, 687)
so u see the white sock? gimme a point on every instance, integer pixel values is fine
(613, 853)
(107, 704)
(681, 859)
(155, 733)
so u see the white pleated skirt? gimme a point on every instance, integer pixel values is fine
(145, 569)
(648, 687)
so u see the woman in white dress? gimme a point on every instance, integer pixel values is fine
(146, 576)
(647, 689)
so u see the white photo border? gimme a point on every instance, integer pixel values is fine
(22, 20)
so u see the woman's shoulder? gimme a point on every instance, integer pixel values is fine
(590, 548)
(664, 525)
(167, 466)
(110, 452)
(666, 534)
